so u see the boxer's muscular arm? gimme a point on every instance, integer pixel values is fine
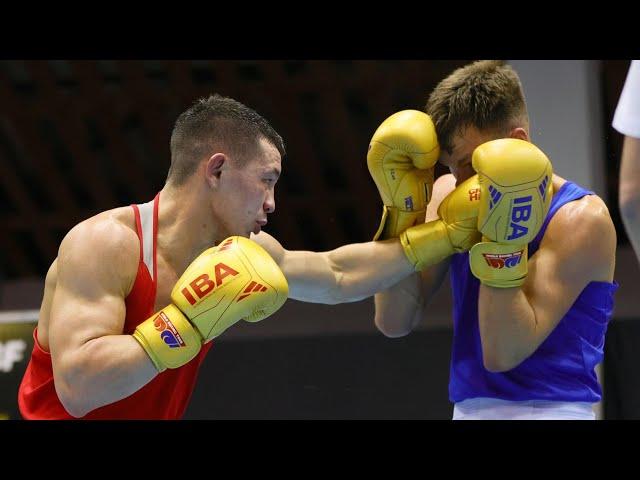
(94, 364)
(578, 247)
(400, 308)
(358, 271)
(347, 274)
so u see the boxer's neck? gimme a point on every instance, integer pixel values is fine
(185, 227)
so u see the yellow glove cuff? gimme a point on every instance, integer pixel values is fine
(426, 244)
(395, 221)
(499, 265)
(168, 338)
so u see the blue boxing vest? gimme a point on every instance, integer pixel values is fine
(563, 366)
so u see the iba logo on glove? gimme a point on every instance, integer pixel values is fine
(520, 213)
(202, 285)
(520, 219)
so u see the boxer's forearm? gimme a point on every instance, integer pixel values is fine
(508, 327)
(346, 274)
(102, 371)
(400, 308)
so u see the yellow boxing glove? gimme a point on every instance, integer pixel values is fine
(235, 280)
(401, 157)
(454, 232)
(515, 190)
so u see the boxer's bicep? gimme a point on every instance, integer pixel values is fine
(578, 248)
(94, 271)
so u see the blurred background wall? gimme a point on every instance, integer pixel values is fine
(79, 137)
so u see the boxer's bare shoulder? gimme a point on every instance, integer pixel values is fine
(108, 240)
(583, 229)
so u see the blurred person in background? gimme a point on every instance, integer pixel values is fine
(627, 121)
